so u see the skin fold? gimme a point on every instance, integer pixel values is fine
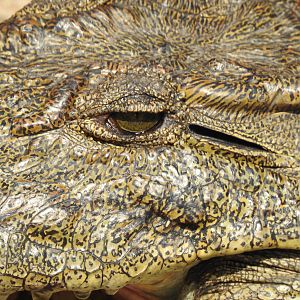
(150, 150)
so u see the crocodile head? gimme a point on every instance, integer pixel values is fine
(142, 138)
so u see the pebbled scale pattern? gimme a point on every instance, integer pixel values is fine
(83, 208)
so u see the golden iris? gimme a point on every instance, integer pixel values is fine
(135, 122)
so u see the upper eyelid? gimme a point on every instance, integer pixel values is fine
(124, 103)
(107, 109)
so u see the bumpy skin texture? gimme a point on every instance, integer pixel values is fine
(85, 207)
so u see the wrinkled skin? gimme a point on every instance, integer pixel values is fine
(87, 205)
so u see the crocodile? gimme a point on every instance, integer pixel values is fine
(150, 149)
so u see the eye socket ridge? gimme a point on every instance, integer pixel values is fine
(134, 123)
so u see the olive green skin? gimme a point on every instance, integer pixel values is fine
(85, 207)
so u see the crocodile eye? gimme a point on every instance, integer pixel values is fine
(134, 123)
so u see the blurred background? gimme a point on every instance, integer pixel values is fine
(9, 7)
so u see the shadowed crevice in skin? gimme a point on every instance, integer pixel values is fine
(232, 275)
(225, 138)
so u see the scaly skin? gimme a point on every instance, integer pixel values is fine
(86, 206)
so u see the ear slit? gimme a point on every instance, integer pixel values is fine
(223, 137)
